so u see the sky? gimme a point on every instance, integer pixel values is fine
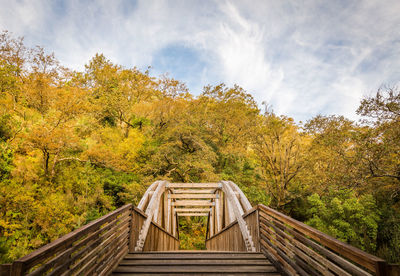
(302, 58)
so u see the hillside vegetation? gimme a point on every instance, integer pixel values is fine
(75, 145)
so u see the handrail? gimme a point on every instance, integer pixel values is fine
(95, 248)
(99, 243)
(252, 210)
(299, 248)
(230, 238)
(143, 214)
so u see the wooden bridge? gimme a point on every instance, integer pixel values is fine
(240, 240)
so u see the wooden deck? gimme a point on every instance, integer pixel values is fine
(195, 263)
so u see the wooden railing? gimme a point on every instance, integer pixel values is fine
(158, 239)
(298, 249)
(89, 249)
(231, 239)
(95, 248)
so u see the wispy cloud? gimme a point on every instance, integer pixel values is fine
(303, 58)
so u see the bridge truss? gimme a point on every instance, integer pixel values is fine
(222, 202)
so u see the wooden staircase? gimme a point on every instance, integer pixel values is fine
(195, 263)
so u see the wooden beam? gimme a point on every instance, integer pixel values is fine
(150, 211)
(238, 212)
(211, 223)
(146, 196)
(218, 213)
(231, 215)
(192, 191)
(192, 209)
(194, 185)
(189, 196)
(243, 199)
(168, 218)
(173, 222)
(193, 203)
(192, 214)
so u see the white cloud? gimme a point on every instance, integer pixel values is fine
(304, 58)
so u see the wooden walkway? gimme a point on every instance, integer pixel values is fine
(240, 240)
(195, 263)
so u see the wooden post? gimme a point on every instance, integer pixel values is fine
(218, 212)
(168, 218)
(211, 222)
(173, 221)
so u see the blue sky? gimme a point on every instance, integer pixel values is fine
(301, 57)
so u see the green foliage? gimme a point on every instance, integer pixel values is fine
(192, 233)
(346, 217)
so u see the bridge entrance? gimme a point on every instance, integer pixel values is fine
(222, 203)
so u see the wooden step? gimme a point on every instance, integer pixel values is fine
(195, 263)
(195, 256)
(197, 274)
(134, 262)
(196, 269)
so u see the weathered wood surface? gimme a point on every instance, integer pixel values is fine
(291, 246)
(192, 210)
(89, 249)
(158, 238)
(231, 239)
(238, 212)
(94, 249)
(194, 185)
(192, 214)
(298, 249)
(199, 263)
(193, 203)
(152, 213)
(192, 196)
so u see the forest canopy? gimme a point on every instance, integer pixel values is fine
(75, 145)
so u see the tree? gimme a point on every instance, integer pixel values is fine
(281, 150)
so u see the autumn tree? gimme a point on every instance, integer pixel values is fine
(281, 150)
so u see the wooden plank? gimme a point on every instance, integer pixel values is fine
(253, 210)
(284, 260)
(325, 252)
(243, 199)
(150, 210)
(218, 214)
(192, 191)
(194, 185)
(64, 242)
(168, 218)
(189, 196)
(146, 197)
(192, 209)
(133, 262)
(5, 269)
(83, 245)
(192, 214)
(238, 212)
(174, 218)
(357, 255)
(192, 203)
(196, 269)
(303, 248)
(211, 224)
